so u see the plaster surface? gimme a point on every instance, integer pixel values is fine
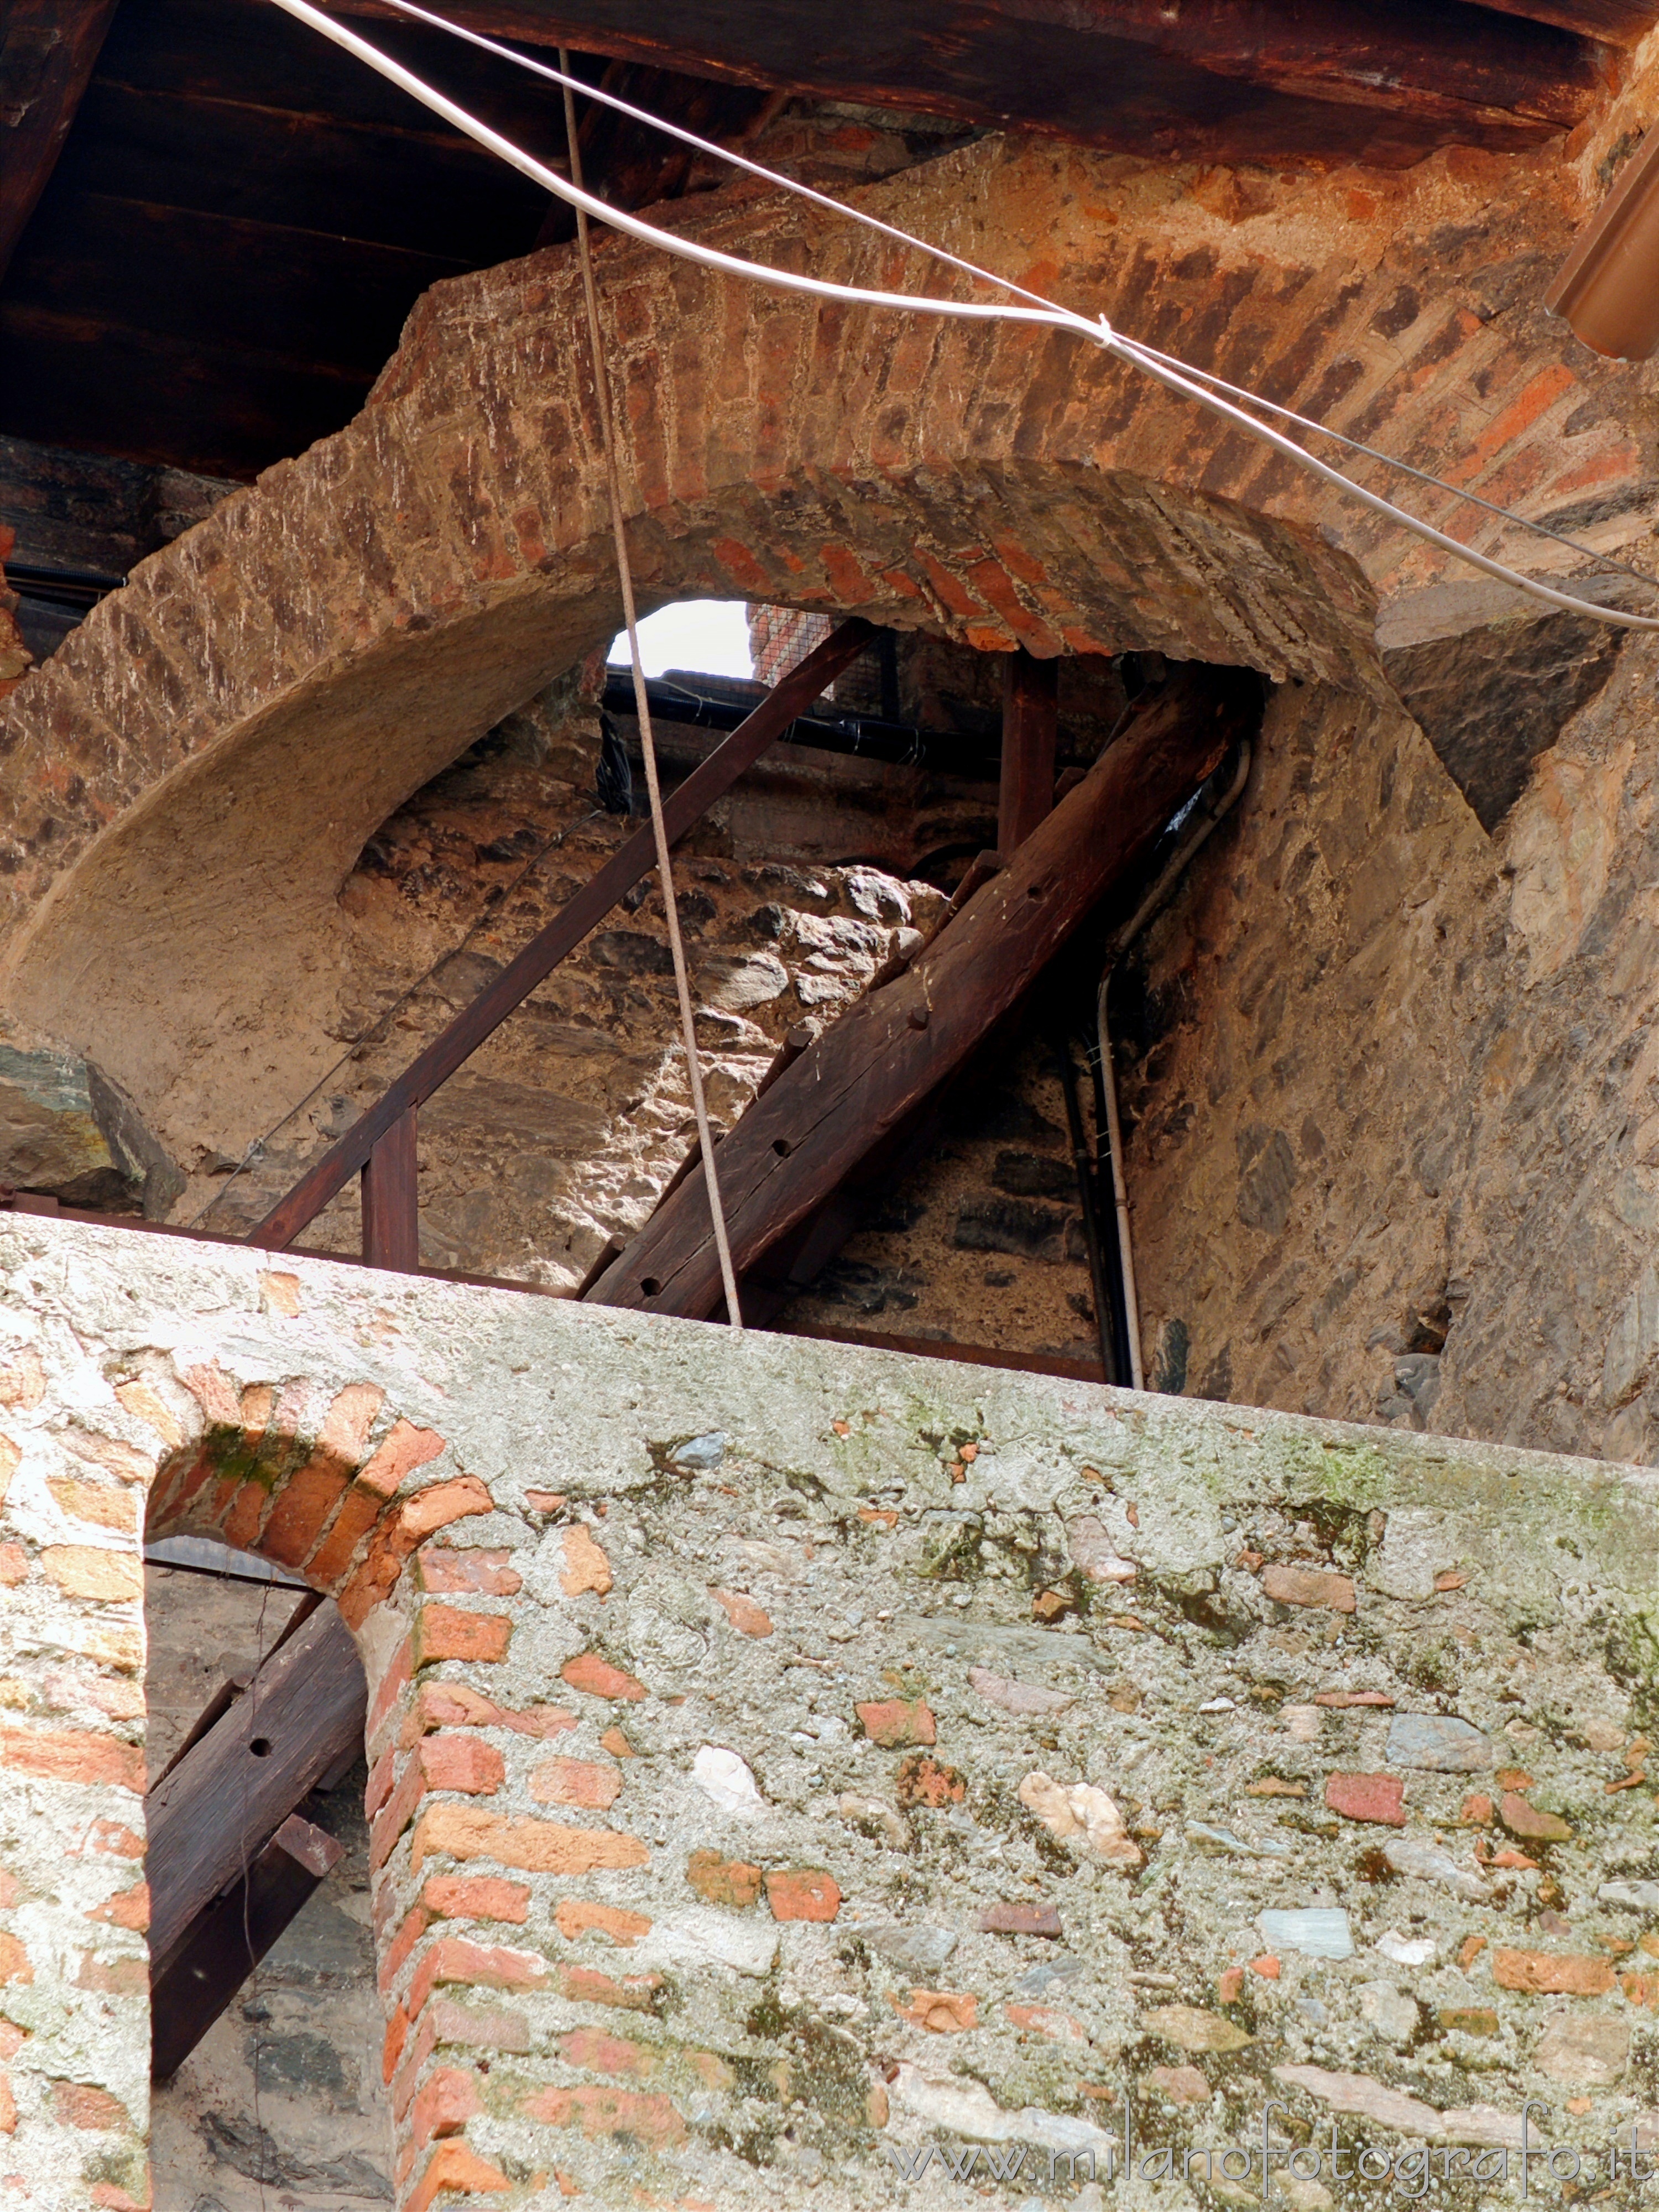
(782, 1756)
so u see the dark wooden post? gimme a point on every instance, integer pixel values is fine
(1030, 710)
(391, 1222)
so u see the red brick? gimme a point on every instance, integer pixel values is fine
(453, 1959)
(597, 1678)
(652, 2120)
(114, 1977)
(14, 1565)
(80, 2105)
(378, 1787)
(355, 1520)
(110, 1836)
(1344, 1701)
(8, 2108)
(445, 2024)
(587, 1985)
(576, 1781)
(585, 1566)
(73, 1755)
(215, 1392)
(401, 1533)
(130, 1909)
(399, 1672)
(1546, 1975)
(15, 1965)
(450, 1573)
(444, 1632)
(1529, 1824)
(397, 2034)
(744, 1615)
(401, 1948)
(453, 1761)
(576, 1914)
(395, 1815)
(350, 1418)
(457, 1704)
(443, 2105)
(1376, 1798)
(453, 2167)
(405, 1448)
(894, 1721)
(803, 1893)
(469, 1831)
(301, 1512)
(1229, 1985)
(475, 1897)
(723, 1880)
(239, 1525)
(596, 2050)
(1308, 1586)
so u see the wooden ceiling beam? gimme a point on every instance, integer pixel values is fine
(1618, 22)
(1213, 78)
(47, 51)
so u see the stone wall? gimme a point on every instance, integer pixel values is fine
(1389, 1071)
(784, 1757)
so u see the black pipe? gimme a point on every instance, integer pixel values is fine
(1106, 1293)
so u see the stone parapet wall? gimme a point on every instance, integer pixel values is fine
(784, 1759)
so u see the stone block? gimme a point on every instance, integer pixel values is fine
(68, 1132)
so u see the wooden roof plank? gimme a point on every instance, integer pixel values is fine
(46, 56)
(1211, 78)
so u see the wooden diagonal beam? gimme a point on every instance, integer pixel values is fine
(47, 50)
(630, 864)
(1223, 78)
(866, 1074)
(212, 1813)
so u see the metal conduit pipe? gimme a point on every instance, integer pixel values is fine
(1224, 791)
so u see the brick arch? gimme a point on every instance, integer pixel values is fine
(314, 1480)
(190, 777)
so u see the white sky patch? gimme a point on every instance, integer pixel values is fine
(708, 636)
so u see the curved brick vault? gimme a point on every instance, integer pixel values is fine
(187, 783)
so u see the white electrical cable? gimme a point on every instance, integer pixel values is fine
(737, 160)
(1163, 369)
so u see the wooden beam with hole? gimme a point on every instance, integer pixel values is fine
(47, 48)
(870, 1070)
(457, 1041)
(1213, 79)
(213, 1813)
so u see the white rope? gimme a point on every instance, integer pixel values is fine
(647, 742)
(1165, 368)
